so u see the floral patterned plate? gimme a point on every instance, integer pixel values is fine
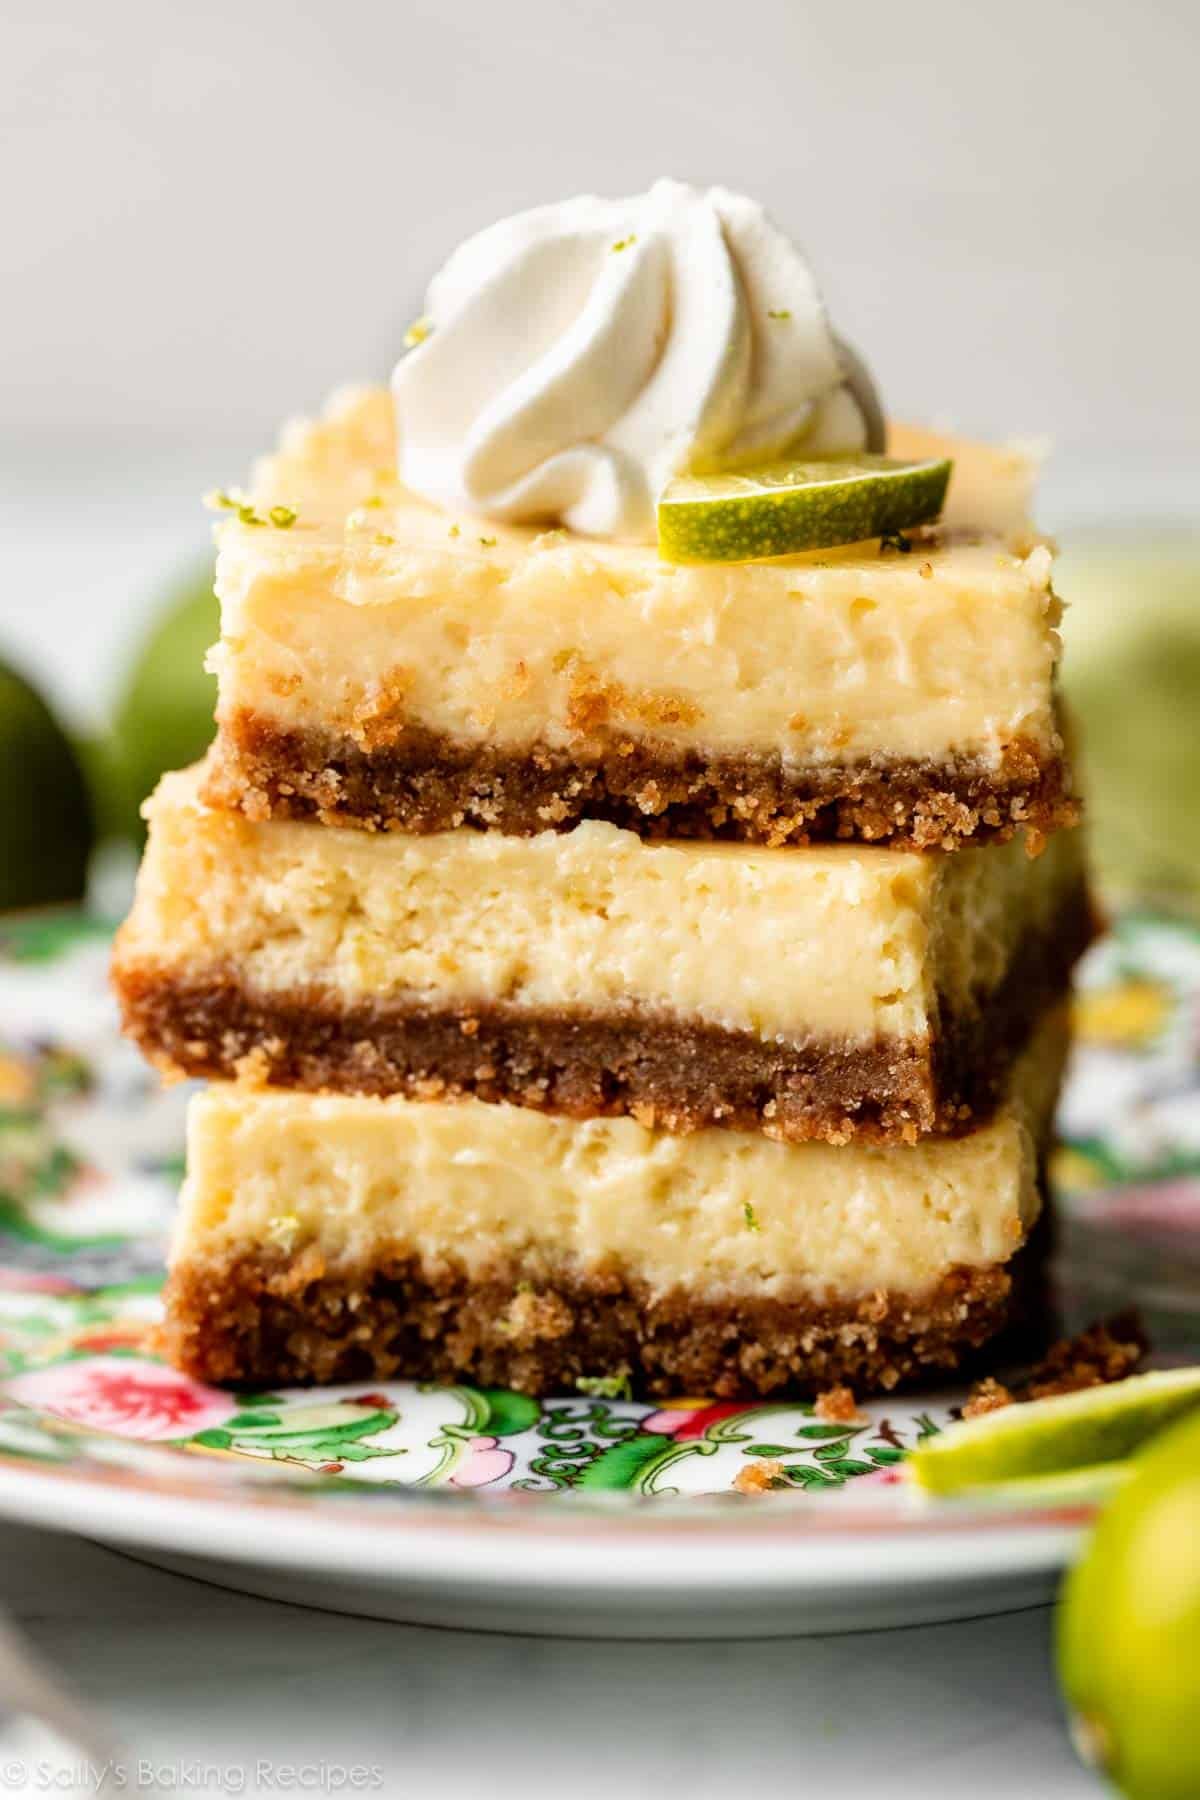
(584, 1513)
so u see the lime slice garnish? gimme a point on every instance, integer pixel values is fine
(784, 506)
(1047, 1437)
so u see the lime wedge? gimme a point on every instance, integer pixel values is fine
(1090, 1486)
(784, 506)
(1048, 1437)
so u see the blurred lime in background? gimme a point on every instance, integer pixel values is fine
(1132, 675)
(63, 796)
(46, 818)
(163, 716)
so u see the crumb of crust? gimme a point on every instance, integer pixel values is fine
(254, 1068)
(1107, 1351)
(169, 1073)
(532, 1317)
(593, 700)
(986, 1396)
(837, 1406)
(378, 718)
(759, 1477)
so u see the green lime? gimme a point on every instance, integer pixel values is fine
(1133, 679)
(1129, 1628)
(1048, 1437)
(164, 718)
(46, 829)
(105, 773)
(784, 506)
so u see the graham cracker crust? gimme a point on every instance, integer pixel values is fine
(266, 1318)
(674, 1074)
(420, 782)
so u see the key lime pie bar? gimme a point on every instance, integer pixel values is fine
(841, 992)
(332, 1237)
(465, 619)
(388, 662)
(597, 1054)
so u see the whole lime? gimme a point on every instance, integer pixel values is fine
(1129, 1627)
(1133, 678)
(46, 829)
(164, 716)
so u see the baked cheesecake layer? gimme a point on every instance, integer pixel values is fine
(385, 663)
(835, 992)
(333, 1237)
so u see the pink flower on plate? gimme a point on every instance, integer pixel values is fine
(23, 1281)
(483, 1464)
(124, 1395)
(692, 1418)
(1171, 1204)
(891, 1476)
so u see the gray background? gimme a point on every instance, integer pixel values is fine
(215, 212)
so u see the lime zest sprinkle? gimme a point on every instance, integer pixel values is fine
(779, 312)
(751, 1217)
(234, 501)
(605, 1387)
(488, 543)
(383, 539)
(625, 242)
(373, 500)
(283, 1230)
(418, 331)
(455, 532)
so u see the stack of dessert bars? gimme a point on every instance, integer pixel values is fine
(604, 969)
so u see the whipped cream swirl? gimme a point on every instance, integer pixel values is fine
(575, 357)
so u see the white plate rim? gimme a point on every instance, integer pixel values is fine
(620, 1553)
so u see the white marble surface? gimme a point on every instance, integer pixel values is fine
(217, 1689)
